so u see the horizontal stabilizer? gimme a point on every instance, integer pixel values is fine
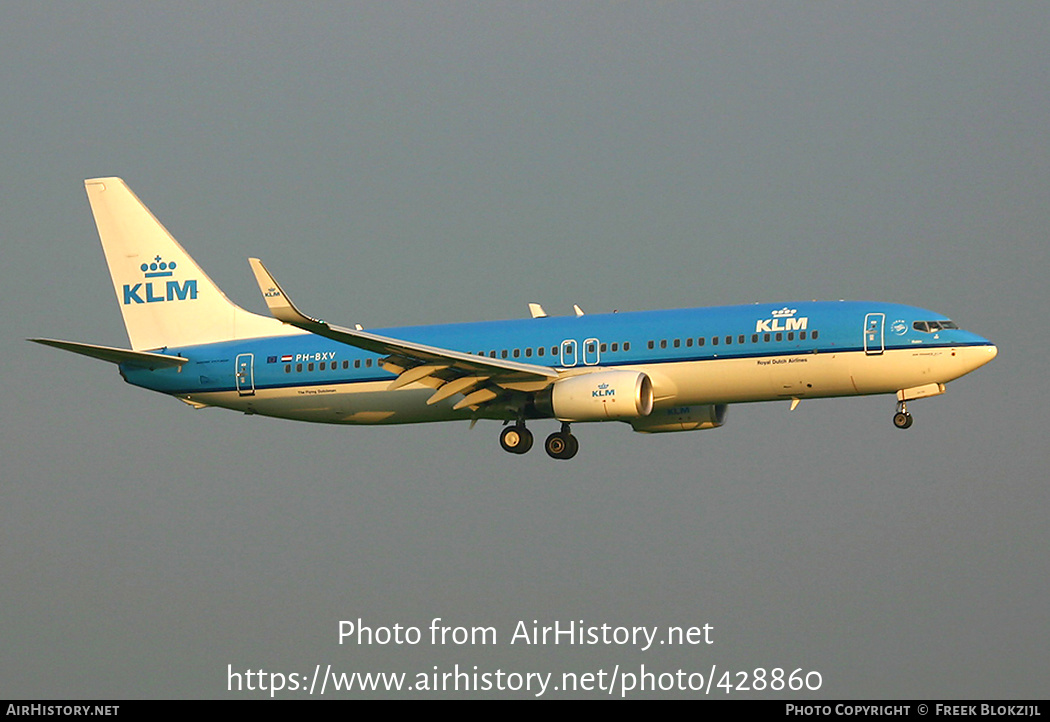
(143, 359)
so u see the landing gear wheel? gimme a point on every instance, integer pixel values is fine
(516, 439)
(562, 445)
(574, 446)
(902, 419)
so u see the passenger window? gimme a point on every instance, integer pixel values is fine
(714, 340)
(309, 367)
(701, 341)
(287, 368)
(299, 368)
(615, 347)
(740, 338)
(626, 345)
(814, 335)
(754, 338)
(780, 336)
(539, 351)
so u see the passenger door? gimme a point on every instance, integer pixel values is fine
(874, 337)
(245, 374)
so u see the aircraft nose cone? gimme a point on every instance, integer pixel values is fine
(981, 355)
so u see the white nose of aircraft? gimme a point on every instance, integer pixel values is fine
(975, 357)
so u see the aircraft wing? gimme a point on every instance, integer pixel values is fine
(480, 378)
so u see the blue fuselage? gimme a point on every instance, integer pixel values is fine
(765, 335)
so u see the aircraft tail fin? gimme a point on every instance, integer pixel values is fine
(165, 297)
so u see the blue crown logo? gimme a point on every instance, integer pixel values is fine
(603, 386)
(158, 269)
(150, 291)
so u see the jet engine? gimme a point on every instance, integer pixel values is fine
(599, 396)
(682, 418)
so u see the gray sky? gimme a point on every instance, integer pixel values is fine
(411, 163)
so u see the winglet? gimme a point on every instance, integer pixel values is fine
(536, 310)
(277, 300)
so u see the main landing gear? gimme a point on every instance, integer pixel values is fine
(902, 419)
(560, 445)
(516, 439)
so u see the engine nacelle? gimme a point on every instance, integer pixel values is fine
(601, 396)
(682, 418)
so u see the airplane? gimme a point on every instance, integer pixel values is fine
(658, 371)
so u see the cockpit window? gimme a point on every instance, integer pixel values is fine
(934, 326)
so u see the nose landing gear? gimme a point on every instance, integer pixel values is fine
(902, 419)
